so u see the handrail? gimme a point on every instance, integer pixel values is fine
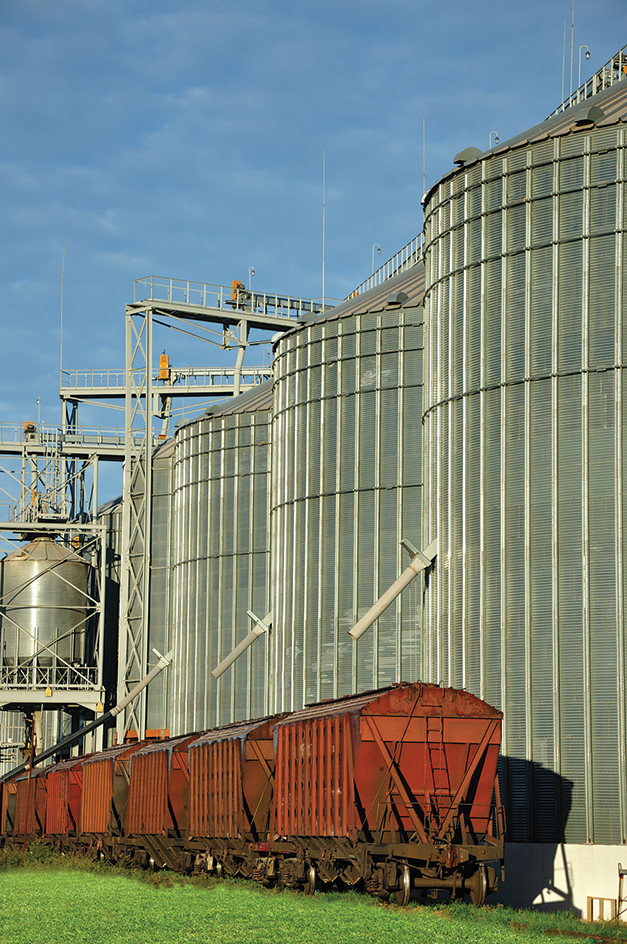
(84, 678)
(15, 434)
(229, 298)
(404, 259)
(107, 379)
(613, 71)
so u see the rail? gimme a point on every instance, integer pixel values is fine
(66, 678)
(404, 259)
(41, 506)
(613, 71)
(112, 382)
(20, 434)
(154, 288)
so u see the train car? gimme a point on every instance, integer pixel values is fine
(64, 789)
(30, 805)
(391, 791)
(231, 787)
(158, 803)
(396, 789)
(104, 800)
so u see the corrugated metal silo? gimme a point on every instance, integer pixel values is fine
(220, 557)
(525, 471)
(159, 708)
(346, 473)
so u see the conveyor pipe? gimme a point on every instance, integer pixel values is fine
(417, 564)
(260, 627)
(162, 662)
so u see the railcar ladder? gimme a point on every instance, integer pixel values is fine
(435, 757)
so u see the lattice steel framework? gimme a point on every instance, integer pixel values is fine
(135, 571)
(169, 303)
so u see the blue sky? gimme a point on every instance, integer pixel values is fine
(185, 139)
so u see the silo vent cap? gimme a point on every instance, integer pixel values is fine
(467, 155)
(398, 298)
(590, 115)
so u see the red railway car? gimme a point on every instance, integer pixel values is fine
(397, 788)
(64, 787)
(231, 780)
(30, 805)
(104, 798)
(158, 802)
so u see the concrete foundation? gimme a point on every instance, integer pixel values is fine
(558, 876)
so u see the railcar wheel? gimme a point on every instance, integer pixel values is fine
(310, 881)
(479, 886)
(402, 896)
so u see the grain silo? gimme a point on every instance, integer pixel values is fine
(524, 457)
(157, 698)
(159, 708)
(219, 564)
(346, 487)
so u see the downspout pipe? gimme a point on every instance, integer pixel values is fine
(419, 562)
(107, 716)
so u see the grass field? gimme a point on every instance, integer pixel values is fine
(47, 904)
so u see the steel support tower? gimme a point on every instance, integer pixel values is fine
(192, 307)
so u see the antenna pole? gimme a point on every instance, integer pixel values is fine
(62, 276)
(424, 168)
(572, 39)
(563, 60)
(324, 167)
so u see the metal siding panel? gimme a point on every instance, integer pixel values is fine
(57, 801)
(220, 566)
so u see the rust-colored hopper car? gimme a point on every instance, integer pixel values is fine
(104, 796)
(396, 788)
(158, 802)
(30, 805)
(392, 791)
(232, 779)
(64, 787)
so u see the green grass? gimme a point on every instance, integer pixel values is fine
(48, 900)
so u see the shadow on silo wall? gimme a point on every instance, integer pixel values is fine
(537, 805)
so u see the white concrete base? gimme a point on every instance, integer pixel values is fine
(554, 877)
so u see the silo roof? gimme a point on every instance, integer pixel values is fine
(259, 398)
(256, 400)
(43, 549)
(411, 282)
(109, 506)
(612, 101)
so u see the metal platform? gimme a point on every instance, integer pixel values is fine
(181, 382)
(77, 443)
(202, 301)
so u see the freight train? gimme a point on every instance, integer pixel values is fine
(391, 790)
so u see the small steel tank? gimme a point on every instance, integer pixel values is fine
(43, 601)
